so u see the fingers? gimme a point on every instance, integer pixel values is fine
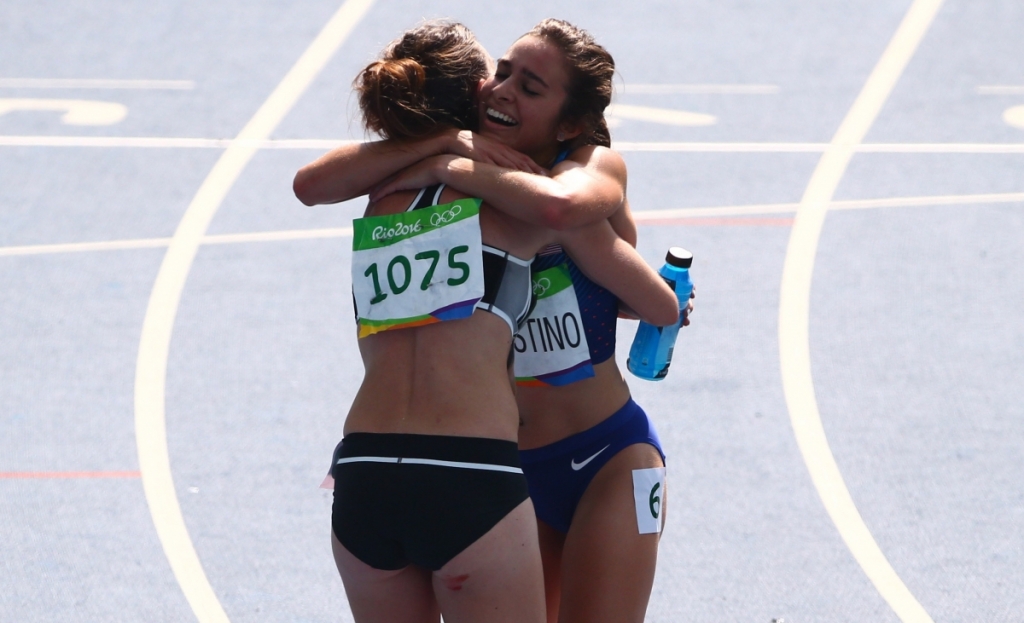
(686, 313)
(533, 167)
(483, 149)
(505, 162)
(509, 159)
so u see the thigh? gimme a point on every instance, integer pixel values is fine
(375, 595)
(499, 578)
(607, 565)
(551, 543)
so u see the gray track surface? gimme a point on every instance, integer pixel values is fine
(917, 338)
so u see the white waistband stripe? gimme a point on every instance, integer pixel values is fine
(410, 461)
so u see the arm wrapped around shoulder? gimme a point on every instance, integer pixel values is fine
(614, 264)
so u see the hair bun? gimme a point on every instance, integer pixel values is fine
(396, 79)
(423, 80)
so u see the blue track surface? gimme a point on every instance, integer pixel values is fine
(915, 331)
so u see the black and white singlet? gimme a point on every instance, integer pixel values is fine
(508, 289)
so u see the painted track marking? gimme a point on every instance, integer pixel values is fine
(76, 112)
(1014, 117)
(172, 142)
(66, 475)
(642, 217)
(156, 243)
(699, 89)
(794, 311)
(615, 113)
(154, 343)
(1001, 89)
(848, 204)
(94, 83)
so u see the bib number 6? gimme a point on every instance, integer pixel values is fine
(398, 286)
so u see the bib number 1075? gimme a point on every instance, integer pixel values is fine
(399, 272)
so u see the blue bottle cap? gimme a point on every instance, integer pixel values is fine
(679, 257)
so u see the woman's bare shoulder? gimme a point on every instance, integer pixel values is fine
(597, 158)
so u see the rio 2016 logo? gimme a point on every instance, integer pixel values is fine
(402, 229)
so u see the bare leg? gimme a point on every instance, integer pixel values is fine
(607, 565)
(402, 596)
(551, 543)
(497, 579)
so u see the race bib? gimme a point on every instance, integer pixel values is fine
(649, 499)
(551, 347)
(416, 268)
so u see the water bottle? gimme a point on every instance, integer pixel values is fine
(652, 347)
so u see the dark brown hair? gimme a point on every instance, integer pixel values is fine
(591, 70)
(424, 81)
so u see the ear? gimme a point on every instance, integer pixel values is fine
(568, 130)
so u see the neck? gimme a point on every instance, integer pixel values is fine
(546, 157)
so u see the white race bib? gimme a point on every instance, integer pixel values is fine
(649, 499)
(551, 347)
(415, 268)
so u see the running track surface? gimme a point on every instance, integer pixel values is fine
(842, 420)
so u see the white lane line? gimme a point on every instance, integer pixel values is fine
(79, 247)
(940, 148)
(666, 116)
(700, 89)
(1001, 89)
(686, 147)
(155, 341)
(776, 148)
(86, 83)
(114, 141)
(794, 311)
(641, 216)
(848, 204)
(76, 112)
(156, 243)
(167, 142)
(277, 236)
(710, 147)
(1014, 117)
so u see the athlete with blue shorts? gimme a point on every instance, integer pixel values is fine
(600, 522)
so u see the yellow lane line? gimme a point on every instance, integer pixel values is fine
(154, 344)
(641, 216)
(794, 307)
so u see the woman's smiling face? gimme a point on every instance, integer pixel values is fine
(521, 104)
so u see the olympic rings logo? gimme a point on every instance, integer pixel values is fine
(541, 286)
(443, 218)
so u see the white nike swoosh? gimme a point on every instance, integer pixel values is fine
(578, 466)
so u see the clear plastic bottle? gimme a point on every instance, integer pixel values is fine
(651, 352)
